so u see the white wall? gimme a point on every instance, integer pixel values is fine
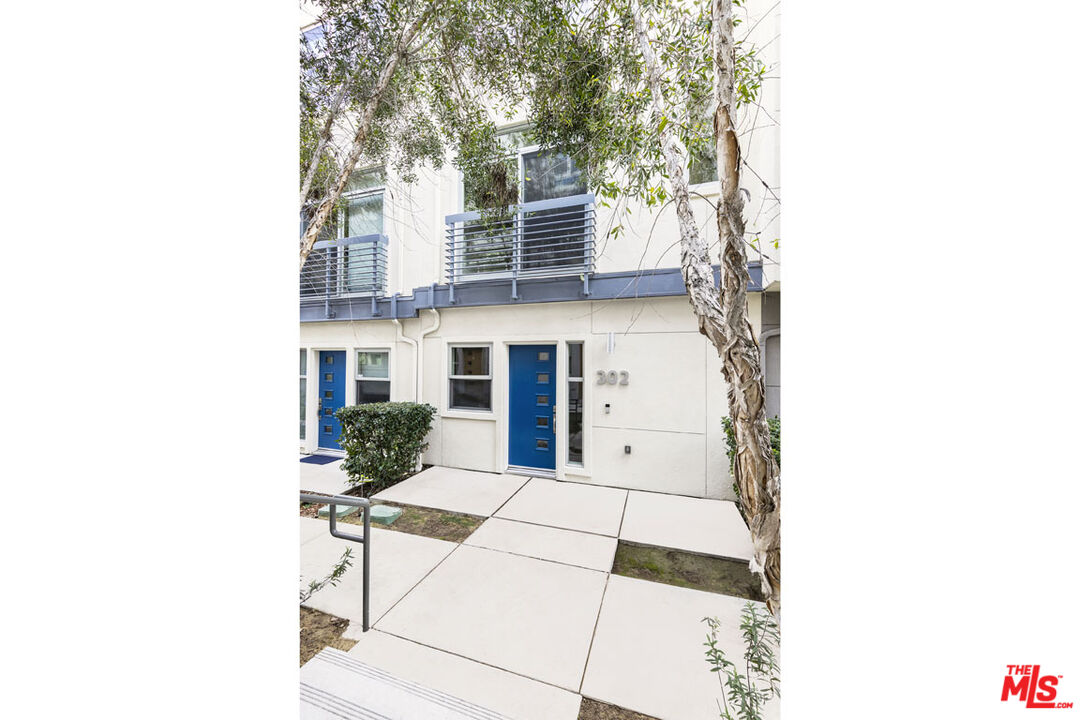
(668, 413)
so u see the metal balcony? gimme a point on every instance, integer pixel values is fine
(547, 238)
(345, 268)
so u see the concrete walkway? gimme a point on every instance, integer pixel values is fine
(328, 479)
(524, 618)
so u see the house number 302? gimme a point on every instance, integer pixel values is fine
(612, 377)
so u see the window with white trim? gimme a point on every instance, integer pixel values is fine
(470, 377)
(372, 376)
(303, 394)
(547, 237)
(575, 404)
(362, 214)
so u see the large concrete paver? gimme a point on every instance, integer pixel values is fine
(595, 552)
(648, 653)
(398, 562)
(572, 506)
(503, 692)
(329, 479)
(709, 527)
(312, 529)
(528, 616)
(464, 491)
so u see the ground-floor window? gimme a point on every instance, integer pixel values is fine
(470, 377)
(303, 394)
(372, 376)
(575, 403)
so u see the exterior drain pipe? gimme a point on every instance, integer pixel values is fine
(420, 349)
(401, 335)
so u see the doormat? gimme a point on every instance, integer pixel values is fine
(319, 459)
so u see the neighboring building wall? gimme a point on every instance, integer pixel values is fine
(676, 447)
(770, 351)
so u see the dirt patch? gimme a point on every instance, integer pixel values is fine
(429, 522)
(310, 510)
(319, 630)
(595, 710)
(700, 572)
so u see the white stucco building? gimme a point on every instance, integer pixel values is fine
(546, 347)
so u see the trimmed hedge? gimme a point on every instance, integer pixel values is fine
(383, 441)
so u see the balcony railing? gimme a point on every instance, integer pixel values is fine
(348, 267)
(547, 238)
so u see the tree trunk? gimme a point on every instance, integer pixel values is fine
(722, 318)
(696, 270)
(756, 472)
(324, 136)
(363, 126)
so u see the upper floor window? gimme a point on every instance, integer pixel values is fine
(540, 175)
(362, 214)
(703, 165)
(530, 241)
(362, 204)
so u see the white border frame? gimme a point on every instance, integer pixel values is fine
(490, 377)
(356, 376)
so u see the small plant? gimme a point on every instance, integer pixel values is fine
(383, 441)
(744, 695)
(729, 437)
(332, 579)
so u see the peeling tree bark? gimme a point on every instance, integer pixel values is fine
(696, 270)
(756, 472)
(721, 312)
(363, 127)
(324, 137)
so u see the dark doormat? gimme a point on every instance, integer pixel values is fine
(319, 459)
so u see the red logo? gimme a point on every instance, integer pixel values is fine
(1030, 686)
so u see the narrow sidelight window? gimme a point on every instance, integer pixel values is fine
(303, 393)
(372, 376)
(470, 377)
(575, 403)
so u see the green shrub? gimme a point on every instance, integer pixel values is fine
(383, 441)
(729, 432)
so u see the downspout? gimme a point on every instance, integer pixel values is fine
(420, 348)
(401, 336)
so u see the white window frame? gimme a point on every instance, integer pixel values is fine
(358, 376)
(572, 379)
(450, 377)
(304, 377)
(357, 195)
(342, 213)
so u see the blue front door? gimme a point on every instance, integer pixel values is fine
(331, 397)
(532, 406)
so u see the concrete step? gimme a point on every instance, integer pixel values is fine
(336, 685)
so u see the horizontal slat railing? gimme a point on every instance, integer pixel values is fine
(547, 238)
(347, 267)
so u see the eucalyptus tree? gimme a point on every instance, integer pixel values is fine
(402, 83)
(637, 90)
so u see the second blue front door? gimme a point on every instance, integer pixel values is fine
(532, 406)
(331, 397)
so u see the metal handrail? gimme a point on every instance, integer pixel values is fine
(365, 506)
